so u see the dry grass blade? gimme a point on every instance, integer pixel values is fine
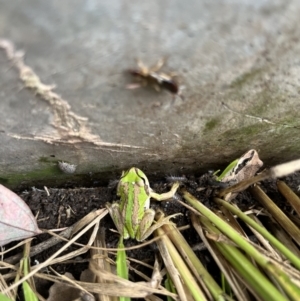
(4, 251)
(50, 260)
(278, 245)
(235, 284)
(85, 221)
(173, 272)
(118, 286)
(262, 240)
(276, 257)
(227, 216)
(208, 284)
(3, 286)
(256, 281)
(153, 298)
(284, 238)
(102, 263)
(157, 276)
(8, 275)
(185, 274)
(69, 280)
(276, 213)
(83, 249)
(42, 246)
(290, 195)
(67, 289)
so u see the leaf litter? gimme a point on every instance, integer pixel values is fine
(16, 219)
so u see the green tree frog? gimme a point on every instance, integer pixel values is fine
(243, 168)
(132, 215)
(238, 170)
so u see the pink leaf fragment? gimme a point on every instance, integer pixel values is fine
(16, 219)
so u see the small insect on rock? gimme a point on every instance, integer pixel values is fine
(150, 76)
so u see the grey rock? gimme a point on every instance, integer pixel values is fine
(238, 60)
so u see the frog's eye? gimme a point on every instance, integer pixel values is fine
(141, 175)
(143, 182)
(241, 164)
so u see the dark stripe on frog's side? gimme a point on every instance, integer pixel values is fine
(136, 217)
(242, 164)
(128, 207)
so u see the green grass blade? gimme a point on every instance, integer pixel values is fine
(169, 286)
(227, 169)
(249, 249)
(122, 269)
(29, 294)
(259, 282)
(4, 298)
(274, 242)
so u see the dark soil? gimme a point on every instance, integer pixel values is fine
(52, 213)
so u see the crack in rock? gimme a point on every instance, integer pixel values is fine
(70, 127)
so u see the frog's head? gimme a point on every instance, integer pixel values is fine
(134, 175)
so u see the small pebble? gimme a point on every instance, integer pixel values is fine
(67, 167)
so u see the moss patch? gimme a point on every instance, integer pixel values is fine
(211, 124)
(245, 78)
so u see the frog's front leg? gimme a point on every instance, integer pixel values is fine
(166, 195)
(146, 228)
(116, 215)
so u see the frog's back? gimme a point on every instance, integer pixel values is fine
(133, 208)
